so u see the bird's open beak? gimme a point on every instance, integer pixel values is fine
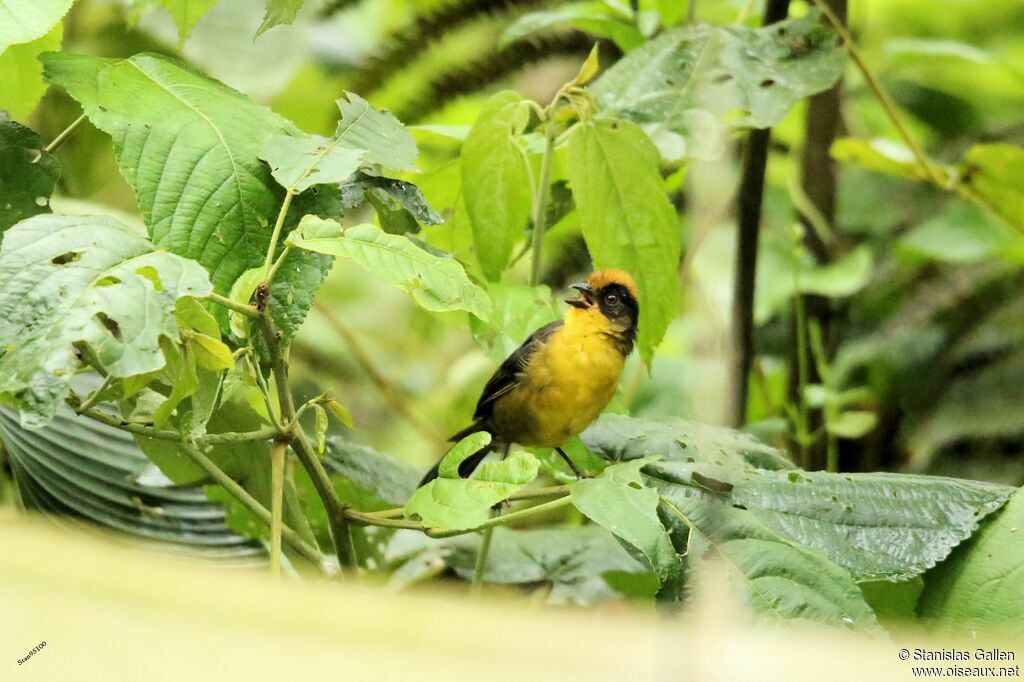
(586, 299)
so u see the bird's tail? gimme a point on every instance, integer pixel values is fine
(468, 465)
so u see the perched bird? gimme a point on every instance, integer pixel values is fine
(557, 383)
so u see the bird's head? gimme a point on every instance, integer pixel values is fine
(612, 294)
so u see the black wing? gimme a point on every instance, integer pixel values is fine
(506, 376)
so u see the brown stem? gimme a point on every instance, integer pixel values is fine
(341, 533)
(751, 193)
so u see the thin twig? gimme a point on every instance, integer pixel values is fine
(480, 565)
(276, 505)
(340, 530)
(59, 140)
(243, 308)
(541, 198)
(176, 436)
(95, 397)
(293, 539)
(269, 260)
(506, 518)
(882, 95)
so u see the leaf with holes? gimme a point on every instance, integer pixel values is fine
(876, 526)
(619, 501)
(678, 85)
(189, 148)
(89, 280)
(28, 174)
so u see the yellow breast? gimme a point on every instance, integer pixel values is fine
(565, 386)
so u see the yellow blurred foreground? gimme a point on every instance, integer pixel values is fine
(111, 613)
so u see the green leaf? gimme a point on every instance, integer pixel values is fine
(437, 284)
(616, 437)
(981, 585)
(22, 21)
(619, 501)
(496, 181)
(992, 175)
(28, 175)
(181, 371)
(279, 12)
(83, 280)
(298, 163)
(386, 141)
(743, 77)
(852, 424)
(627, 220)
(596, 18)
(400, 206)
(210, 353)
(880, 154)
(584, 565)
(241, 292)
(321, 428)
(189, 148)
(877, 526)
(23, 74)
(84, 470)
(780, 580)
(186, 14)
(190, 314)
(452, 503)
(340, 413)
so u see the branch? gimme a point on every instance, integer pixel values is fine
(506, 518)
(176, 436)
(882, 95)
(64, 134)
(249, 502)
(340, 531)
(750, 196)
(247, 310)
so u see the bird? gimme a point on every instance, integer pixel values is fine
(562, 377)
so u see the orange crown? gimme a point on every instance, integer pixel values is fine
(602, 278)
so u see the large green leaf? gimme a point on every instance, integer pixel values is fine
(22, 21)
(496, 181)
(619, 501)
(617, 437)
(28, 174)
(436, 283)
(83, 280)
(981, 586)
(891, 526)
(453, 503)
(76, 467)
(778, 579)
(189, 147)
(23, 74)
(680, 85)
(627, 220)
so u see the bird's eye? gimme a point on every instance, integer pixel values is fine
(611, 299)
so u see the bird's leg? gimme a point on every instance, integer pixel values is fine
(568, 461)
